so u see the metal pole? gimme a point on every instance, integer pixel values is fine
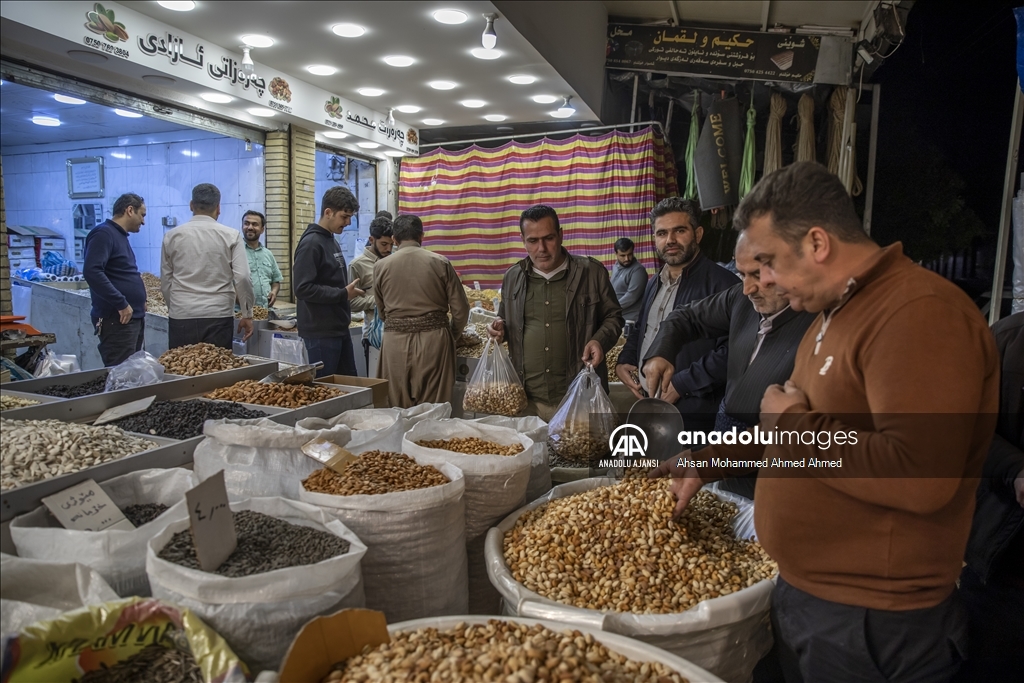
(540, 135)
(632, 109)
(844, 154)
(1003, 245)
(869, 195)
(668, 119)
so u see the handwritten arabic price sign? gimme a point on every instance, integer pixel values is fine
(86, 507)
(213, 526)
(725, 54)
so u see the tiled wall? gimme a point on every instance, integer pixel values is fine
(361, 179)
(162, 173)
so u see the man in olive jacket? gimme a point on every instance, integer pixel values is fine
(557, 311)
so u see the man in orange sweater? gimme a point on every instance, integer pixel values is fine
(901, 359)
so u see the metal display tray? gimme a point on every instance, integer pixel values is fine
(32, 386)
(38, 398)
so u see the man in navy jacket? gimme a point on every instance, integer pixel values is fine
(118, 293)
(687, 276)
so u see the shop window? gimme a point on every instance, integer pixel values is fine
(335, 168)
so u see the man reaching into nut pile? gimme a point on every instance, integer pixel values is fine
(868, 552)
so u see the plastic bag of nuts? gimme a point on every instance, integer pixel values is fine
(494, 387)
(579, 430)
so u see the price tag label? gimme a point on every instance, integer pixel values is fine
(213, 526)
(86, 507)
(329, 454)
(476, 285)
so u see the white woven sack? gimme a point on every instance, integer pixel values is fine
(726, 635)
(415, 562)
(118, 555)
(37, 590)
(425, 411)
(537, 430)
(259, 615)
(372, 428)
(260, 457)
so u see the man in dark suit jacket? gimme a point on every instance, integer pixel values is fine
(764, 333)
(687, 276)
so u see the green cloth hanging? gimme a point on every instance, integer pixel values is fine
(748, 169)
(691, 150)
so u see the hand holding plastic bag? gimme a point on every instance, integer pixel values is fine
(140, 370)
(494, 387)
(583, 422)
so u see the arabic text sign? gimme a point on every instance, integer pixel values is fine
(86, 507)
(213, 525)
(725, 54)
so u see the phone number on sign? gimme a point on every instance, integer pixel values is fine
(107, 47)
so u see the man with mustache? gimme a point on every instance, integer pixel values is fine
(698, 384)
(263, 268)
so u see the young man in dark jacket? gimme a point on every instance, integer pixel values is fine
(322, 289)
(118, 293)
(687, 276)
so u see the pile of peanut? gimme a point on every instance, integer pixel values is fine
(576, 442)
(258, 313)
(374, 473)
(495, 399)
(277, 394)
(611, 359)
(471, 445)
(497, 651)
(9, 402)
(154, 295)
(615, 548)
(199, 359)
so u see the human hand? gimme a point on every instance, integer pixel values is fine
(125, 314)
(353, 290)
(780, 397)
(658, 371)
(271, 298)
(685, 480)
(496, 330)
(246, 325)
(593, 354)
(625, 375)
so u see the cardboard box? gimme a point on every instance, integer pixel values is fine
(326, 641)
(379, 387)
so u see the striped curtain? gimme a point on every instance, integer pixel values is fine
(602, 187)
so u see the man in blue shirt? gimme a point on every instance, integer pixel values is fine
(118, 294)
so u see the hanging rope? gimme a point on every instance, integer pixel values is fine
(773, 136)
(749, 168)
(837, 106)
(805, 129)
(691, 149)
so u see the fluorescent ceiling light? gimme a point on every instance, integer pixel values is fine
(370, 92)
(128, 114)
(186, 6)
(495, 117)
(67, 99)
(256, 40)
(408, 108)
(522, 79)
(216, 97)
(441, 85)
(335, 134)
(45, 121)
(348, 30)
(321, 70)
(433, 122)
(451, 16)
(483, 53)
(473, 104)
(262, 112)
(544, 99)
(367, 145)
(394, 153)
(399, 60)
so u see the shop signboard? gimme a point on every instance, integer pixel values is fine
(120, 32)
(713, 52)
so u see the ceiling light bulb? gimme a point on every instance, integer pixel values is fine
(441, 85)
(128, 114)
(433, 122)
(256, 40)
(473, 104)
(394, 153)
(522, 79)
(216, 97)
(248, 66)
(321, 70)
(544, 99)
(335, 135)
(67, 99)
(495, 117)
(408, 108)
(489, 39)
(481, 53)
(186, 6)
(367, 145)
(451, 16)
(262, 112)
(370, 92)
(348, 30)
(45, 121)
(567, 109)
(561, 113)
(399, 60)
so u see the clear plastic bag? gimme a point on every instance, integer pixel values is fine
(469, 337)
(51, 364)
(140, 370)
(583, 422)
(289, 350)
(494, 387)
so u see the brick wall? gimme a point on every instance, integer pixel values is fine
(277, 176)
(303, 164)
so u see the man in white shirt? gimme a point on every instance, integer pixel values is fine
(203, 269)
